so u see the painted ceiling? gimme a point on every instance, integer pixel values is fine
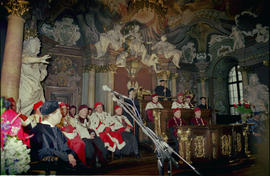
(184, 22)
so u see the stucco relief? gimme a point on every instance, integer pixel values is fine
(65, 32)
(64, 72)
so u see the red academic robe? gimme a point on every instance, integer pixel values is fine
(198, 121)
(176, 122)
(76, 144)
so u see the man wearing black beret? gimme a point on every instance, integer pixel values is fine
(49, 144)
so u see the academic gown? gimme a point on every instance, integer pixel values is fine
(160, 91)
(173, 125)
(132, 121)
(131, 146)
(50, 141)
(198, 121)
(93, 147)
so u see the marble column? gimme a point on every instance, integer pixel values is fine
(11, 68)
(174, 86)
(202, 65)
(109, 99)
(91, 87)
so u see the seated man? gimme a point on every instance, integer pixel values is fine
(162, 91)
(49, 142)
(102, 123)
(123, 125)
(203, 104)
(187, 104)
(154, 104)
(179, 103)
(197, 120)
(174, 123)
(74, 141)
(256, 132)
(94, 146)
(72, 111)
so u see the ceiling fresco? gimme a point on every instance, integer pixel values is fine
(191, 27)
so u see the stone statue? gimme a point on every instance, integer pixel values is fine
(33, 71)
(262, 33)
(151, 61)
(168, 50)
(257, 94)
(121, 59)
(136, 43)
(64, 32)
(113, 37)
(238, 38)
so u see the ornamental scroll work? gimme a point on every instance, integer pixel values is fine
(199, 145)
(226, 141)
(238, 142)
(17, 7)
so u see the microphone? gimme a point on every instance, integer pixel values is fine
(106, 88)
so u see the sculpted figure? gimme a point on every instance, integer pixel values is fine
(33, 71)
(135, 44)
(113, 37)
(262, 33)
(257, 94)
(238, 38)
(168, 50)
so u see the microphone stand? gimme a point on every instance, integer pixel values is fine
(163, 150)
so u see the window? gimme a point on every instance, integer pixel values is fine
(235, 88)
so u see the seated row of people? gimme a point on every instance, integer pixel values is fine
(77, 140)
(176, 122)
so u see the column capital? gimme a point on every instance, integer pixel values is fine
(17, 7)
(164, 74)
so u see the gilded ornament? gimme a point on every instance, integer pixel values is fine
(17, 7)
(226, 148)
(199, 142)
(101, 68)
(238, 142)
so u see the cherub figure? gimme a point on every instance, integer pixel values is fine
(33, 71)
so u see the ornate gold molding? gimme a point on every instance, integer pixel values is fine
(226, 141)
(266, 63)
(158, 130)
(238, 142)
(100, 68)
(184, 142)
(214, 142)
(199, 142)
(245, 134)
(164, 74)
(17, 7)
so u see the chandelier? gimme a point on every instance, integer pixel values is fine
(157, 5)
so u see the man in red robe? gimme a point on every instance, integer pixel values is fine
(197, 120)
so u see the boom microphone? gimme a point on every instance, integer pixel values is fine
(106, 88)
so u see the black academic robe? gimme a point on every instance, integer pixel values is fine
(132, 121)
(50, 141)
(201, 106)
(160, 91)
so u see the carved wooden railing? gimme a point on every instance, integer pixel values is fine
(223, 143)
